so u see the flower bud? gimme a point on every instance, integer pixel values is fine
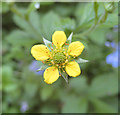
(109, 7)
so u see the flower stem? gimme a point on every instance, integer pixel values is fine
(99, 21)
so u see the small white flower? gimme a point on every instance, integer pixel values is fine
(37, 5)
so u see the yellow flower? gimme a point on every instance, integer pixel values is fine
(60, 57)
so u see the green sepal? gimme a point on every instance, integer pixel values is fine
(43, 67)
(47, 43)
(69, 40)
(64, 75)
(80, 60)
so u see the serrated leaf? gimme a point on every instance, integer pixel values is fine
(104, 85)
(67, 24)
(49, 26)
(20, 38)
(80, 60)
(79, 84)
(75, 104)
(101, 107)
(45, 93)
(47, 43)
(32, 27)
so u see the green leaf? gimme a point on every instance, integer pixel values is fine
(79, 84)
(46, 3)
(49, 108)
(30, 89)
(64, 9)
(85, 18)
(101, 107)
(4, 6)
(49, 26)
(20, 38)
(7, 79)
(22, 23)
(98, 36)
(104, 85)
(30, 26)
(112, 101)
(75, 104)
(80, 60)
(67, 24)
(46, 93)
(111, 21)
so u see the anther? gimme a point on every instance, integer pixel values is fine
(59, 66)
(66, 61)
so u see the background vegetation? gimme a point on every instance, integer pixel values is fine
(94, 24)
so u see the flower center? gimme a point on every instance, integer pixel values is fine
(59, 57)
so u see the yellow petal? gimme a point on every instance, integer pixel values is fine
(59, 38)
(75, 48)
(72, 68)
(40, 52)
(51, 74)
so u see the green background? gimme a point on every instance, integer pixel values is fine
(94, 91)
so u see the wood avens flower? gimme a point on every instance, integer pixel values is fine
(59, 55)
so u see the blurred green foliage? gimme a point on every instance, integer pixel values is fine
(94, 91)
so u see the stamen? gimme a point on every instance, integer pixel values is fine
(66, 61)
(63, 66)
(52, 62)
(59, 66)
